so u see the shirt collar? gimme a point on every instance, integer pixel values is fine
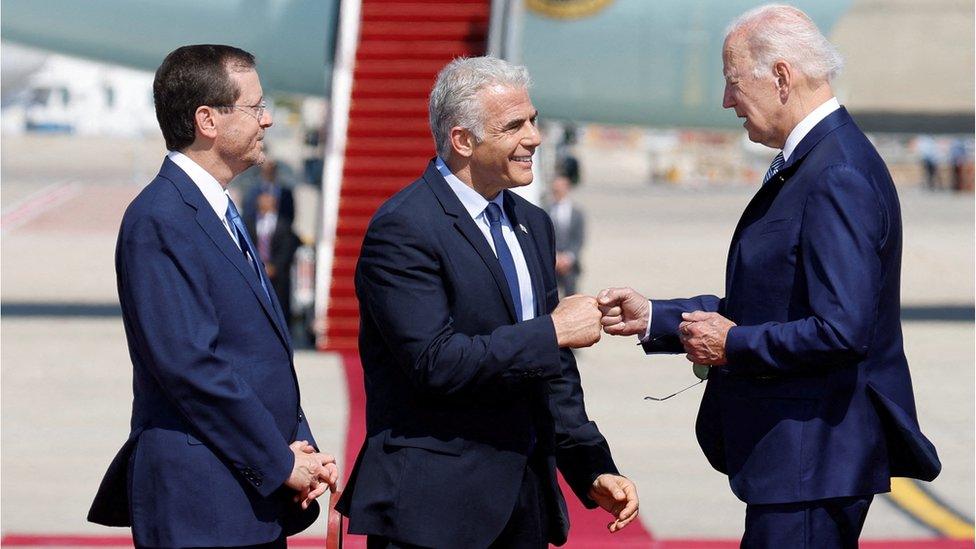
(473, 202)
(809, 121)
(212, 191)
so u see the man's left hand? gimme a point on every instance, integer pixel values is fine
(703, 336)
(618, 496)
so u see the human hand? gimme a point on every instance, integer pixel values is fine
(703, 336)
(312, 474)
(577, 321)
(618, 496)
(625, 312)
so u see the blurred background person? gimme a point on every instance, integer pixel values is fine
(569, 225)
(928, 151)
(277, 244)
(269, 183)
(960, 157)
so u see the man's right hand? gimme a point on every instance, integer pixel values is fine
(312, 473)
(625, 312)
(577, 321)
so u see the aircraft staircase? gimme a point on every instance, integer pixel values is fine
(402, 45)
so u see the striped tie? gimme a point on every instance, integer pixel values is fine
(774, 168)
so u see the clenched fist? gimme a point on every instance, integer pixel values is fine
(577, 321)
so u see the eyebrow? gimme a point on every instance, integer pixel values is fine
(519, 121)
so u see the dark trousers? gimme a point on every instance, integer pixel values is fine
(823, 524)
(279, 543)
(527, 528)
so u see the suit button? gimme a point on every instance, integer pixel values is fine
(301, 417)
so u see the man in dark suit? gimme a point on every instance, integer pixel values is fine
(276, 243)
(570, 231)
(268, 183)
(809, 407)
(473, 399)
(219, 454)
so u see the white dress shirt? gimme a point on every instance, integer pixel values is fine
(212, 191)
(475, 205)
(809, 121)
(799, 132)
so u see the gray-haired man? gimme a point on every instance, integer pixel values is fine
(473, 398)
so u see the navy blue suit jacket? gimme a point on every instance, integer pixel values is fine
(816, 400)
(456, 389)
(215, 397)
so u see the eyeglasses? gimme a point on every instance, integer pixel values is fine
(700, 371)
(256, 111)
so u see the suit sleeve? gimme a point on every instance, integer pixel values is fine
(399, 282)
(174, 319)
(666, 316)
(582, 453)
(842, 231)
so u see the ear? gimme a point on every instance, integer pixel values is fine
(783, 74)
(206, 121)
(462, 141)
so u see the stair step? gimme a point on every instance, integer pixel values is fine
(359, 205)
(398, 88)
(341, 345)
(345, 291)
(349, 245)
(396, 127)
(396, 148)
(423, 11)
(463, 30)
(420, 69)
(344, 327)
(409, 107)
(344, 305)
(344, 266)
(353, 225)
(441, 50)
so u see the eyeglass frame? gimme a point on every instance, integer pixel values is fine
(701, 372)
(258, 113)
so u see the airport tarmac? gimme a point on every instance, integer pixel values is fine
(66, 375)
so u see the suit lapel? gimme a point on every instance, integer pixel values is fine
(221, 239)
(465, 225)
(529, 251)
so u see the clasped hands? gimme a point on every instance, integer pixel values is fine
(312, 473)
(578, 320)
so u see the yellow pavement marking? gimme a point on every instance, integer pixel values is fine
(906, 494)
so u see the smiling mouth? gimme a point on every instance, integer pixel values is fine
(523, 159)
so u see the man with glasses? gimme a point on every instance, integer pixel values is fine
(220, 453)
(809, 407)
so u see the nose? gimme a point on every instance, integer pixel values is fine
(728, 101)
(532, 138)
(266, 119)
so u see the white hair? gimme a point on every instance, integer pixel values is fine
(777, 32)
(454, 100)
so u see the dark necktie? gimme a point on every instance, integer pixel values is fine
(774, 168)
(504, 254)
(250, 253)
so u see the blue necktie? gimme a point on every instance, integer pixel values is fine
(504, 254)
(250, 253)
(775, 167)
